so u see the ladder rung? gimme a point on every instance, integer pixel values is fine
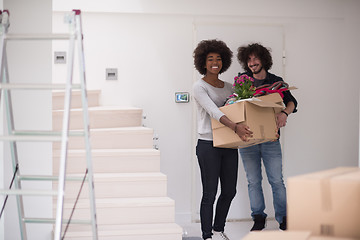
(38, 36)
(13, 135)
(28, 192)
(52, 220)
(25, 86)
(48, 178)
(31, 138)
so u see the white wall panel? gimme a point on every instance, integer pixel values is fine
(29, 62)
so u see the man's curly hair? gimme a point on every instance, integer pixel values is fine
(211, 46)
(259, 51)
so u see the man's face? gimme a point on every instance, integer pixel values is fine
(254, 64)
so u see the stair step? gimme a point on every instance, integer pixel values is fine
(114, 138)
(117, 185)
(130, 191)
(100, 117)
(76, 102)
(163, 231)
(110, 161)
(125, 210)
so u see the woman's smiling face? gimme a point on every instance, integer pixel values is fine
(213, 63)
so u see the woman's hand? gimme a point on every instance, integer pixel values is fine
(243, 131)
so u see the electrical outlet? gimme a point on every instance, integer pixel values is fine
(111, 74)
(59, 57)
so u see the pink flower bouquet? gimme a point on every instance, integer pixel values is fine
(243, 88)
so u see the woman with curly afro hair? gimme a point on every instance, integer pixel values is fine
(211, 58)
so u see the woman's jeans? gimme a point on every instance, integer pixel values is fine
(270, 153)
(215, 164)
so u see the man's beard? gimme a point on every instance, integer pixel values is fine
(261, 68)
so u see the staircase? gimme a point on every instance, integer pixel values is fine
(130, 191)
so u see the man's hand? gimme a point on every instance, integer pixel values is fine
(281, 119)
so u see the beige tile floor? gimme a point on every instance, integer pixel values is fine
(234, 230)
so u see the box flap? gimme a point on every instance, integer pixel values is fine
(267, 104)
(273, 97)
(277, 235)
(235, 112)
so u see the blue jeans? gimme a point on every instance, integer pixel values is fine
(270, 153)
(216, 164)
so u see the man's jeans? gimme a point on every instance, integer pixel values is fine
(270, 153)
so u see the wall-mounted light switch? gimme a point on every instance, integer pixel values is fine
(111, 74)
(59, 57)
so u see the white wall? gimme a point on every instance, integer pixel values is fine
(151, 43)
(29, 62)
(151, 67)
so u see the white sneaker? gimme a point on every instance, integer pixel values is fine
(220, 236)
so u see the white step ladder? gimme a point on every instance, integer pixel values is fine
(13, 136)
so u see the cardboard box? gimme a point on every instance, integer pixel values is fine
(288, 235)
(258, 113)
(331, 238)
(278, 235)
(327, 203)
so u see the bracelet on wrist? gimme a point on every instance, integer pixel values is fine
(285, 113)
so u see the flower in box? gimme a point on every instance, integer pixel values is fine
(243, 88)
